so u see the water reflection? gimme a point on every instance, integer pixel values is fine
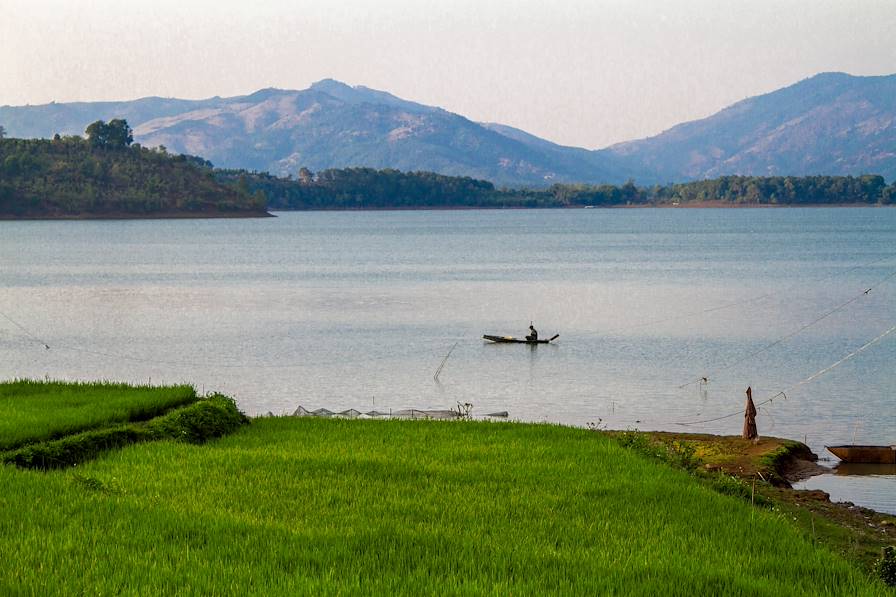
(865, 469)
(869, 485)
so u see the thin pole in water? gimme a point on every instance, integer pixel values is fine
(445, 360)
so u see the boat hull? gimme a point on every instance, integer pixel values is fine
(512, 340)
(871, 454)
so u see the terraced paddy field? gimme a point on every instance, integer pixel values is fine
(307, 506)
(31, 411)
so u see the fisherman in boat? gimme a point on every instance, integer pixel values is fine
(533, 334)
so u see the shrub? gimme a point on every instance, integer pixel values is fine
(885, 567)
(211, 417)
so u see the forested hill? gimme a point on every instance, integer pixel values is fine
(72, 177)
(366, 188)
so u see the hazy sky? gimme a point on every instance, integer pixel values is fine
(587, 73)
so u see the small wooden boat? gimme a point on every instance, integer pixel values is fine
(512, 340)
(872, 454)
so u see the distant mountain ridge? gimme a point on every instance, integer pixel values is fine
(329, 125)
(832, 123)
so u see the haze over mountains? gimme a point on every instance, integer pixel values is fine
(832, 123)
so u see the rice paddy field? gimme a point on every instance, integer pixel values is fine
(37, 410)
(309, 506)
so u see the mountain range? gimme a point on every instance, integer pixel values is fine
(832, 123)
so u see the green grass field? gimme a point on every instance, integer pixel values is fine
(309, 506)
(36, 410)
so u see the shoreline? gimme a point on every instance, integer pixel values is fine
(779, 461)
(715, 204)
(271, 212)
(127, 216)
(694, 205)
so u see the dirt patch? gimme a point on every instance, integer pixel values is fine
(775, 460)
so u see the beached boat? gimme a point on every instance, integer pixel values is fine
(512, 340)
(872, 454)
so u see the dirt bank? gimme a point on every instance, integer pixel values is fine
(778, 461)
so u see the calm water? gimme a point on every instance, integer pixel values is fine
(357, 310)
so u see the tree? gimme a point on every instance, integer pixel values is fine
(119, 133)
(96, 133)
(2, 132)
(630, 193)
(116, 134)
(888, 195)
(306, 176)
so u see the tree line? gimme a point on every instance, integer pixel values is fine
(367, 188)
(364, 188)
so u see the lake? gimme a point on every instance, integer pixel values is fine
(358, 309)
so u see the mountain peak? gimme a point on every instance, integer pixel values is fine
(263, 94)
(839, 80)
(327, 85)
(345, 92)
(359, 94)
(832, 75)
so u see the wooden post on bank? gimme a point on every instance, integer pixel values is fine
(750, 431)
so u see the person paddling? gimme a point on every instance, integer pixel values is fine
(533, 334)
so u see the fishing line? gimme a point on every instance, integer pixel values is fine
(24, 330)
(185, 364)
(685, 316)
(788, 290)
(174, 363)
(814, 376)
(768, 413)
(207, 365)
(136, 359)
(786, 337)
